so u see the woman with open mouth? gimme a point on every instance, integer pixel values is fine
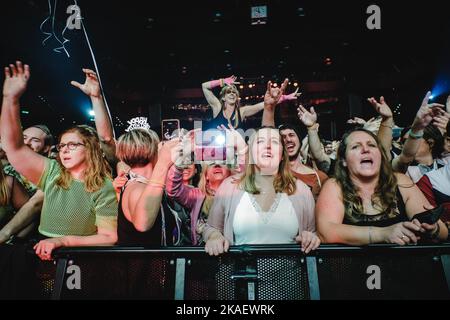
(367, 203)
(80, 207)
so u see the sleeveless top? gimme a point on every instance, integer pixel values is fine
(220, 119)
(383, 219)
(159, 235)
(252, 225)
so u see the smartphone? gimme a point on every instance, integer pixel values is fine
(211, 147)
(170, 128)
(430, 216)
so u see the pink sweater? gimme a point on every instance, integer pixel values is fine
(227, 198)
(189, 197)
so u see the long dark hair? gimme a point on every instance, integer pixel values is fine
(385, 192)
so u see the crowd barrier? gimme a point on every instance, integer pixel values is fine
(251, 272)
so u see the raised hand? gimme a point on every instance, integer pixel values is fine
(381, 107)
(273, 94)
(16, 80)
(426, 113)
(441, 122)
(170, 151)
(230, 80)
(91, 86)
(288, 97)
(308, 118)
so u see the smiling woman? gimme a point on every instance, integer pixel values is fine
(266, 205)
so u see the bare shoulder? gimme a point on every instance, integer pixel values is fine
(133, 190)
(330, 191)
(331, 184)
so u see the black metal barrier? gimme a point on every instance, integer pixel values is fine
(249, 273)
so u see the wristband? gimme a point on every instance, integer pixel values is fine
(413, 135)
(215, 83)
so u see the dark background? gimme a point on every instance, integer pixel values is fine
(153, 57)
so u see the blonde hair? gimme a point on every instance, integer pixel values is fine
(284, 180)
(237, 117)
(138, 147)
(97, 168)
(203, 183)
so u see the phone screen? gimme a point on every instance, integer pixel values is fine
(170, 128)
(211, 147)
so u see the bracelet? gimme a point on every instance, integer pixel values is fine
(221, 82)
(413, 135)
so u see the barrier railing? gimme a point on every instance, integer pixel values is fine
(253, 272)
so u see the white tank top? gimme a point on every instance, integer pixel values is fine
(252, 225)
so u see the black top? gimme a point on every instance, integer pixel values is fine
(156, 236)
(220, 119)
(382, 219)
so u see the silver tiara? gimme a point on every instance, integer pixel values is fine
(138, 123)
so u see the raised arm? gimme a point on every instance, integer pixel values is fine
(248, 111)
(23, 159)
(91, 88)
(212, 100)
(146, 209)
(423, 118)
(387, 124)
(271, 99)
(309, 119)
(441, 121)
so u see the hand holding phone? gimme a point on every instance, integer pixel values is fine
(430, 216)
(168, 128)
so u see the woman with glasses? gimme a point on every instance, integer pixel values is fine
(227, 109)
(80, 207)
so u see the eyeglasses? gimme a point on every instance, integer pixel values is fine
(70, 145)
